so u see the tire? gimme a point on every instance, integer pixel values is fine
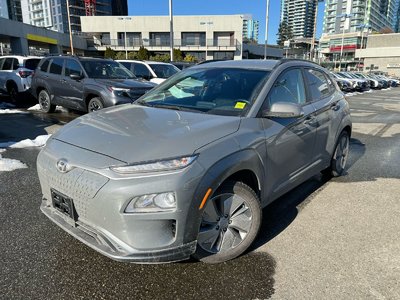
(230, 223)
(340, 155)
(45, 102)
(95, 104)
(12, 91)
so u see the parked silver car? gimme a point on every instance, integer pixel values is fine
(187, 169)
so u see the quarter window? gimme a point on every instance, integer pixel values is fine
(318, 84)
(288, 88)
(56, 66)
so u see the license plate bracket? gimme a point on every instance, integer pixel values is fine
(64, 204)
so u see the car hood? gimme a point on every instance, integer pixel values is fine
(126, 83)
(133, 133)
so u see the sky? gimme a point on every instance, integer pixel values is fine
(256, 8)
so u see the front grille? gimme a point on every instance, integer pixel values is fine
(79, 184)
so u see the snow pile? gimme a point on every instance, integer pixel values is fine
(38, 142)
(8, 164)
(11, 111)
(37, 108)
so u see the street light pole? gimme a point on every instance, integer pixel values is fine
(266, 29)
(69, 28)
(125, 37)
(346, 16)
(171, 30)
(312, 50)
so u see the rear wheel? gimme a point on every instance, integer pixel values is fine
(12, 90)
(95, 104)
(45, 102)
(340, 155)
(230, 223)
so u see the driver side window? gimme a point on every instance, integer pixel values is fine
(289, 87)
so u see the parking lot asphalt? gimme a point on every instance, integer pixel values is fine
(327, 239)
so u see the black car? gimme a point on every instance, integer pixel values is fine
(86, 84)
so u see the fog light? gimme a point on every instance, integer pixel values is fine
(152, 203)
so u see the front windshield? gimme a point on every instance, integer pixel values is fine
(164, 70)
(219, 91)
(106, 69)
(343, 75)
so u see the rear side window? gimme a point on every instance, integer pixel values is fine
(7, 64)
(31, 63)
(318, 84)
(45, 65)
(141, 70)
(56, 66)
(127, 65)
(15, 64)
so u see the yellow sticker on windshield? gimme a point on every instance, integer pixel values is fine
(240, 105)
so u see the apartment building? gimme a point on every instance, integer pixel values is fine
(11, 9)
(205, 37)
(300, 16)
(251, 28)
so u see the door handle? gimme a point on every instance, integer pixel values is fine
(335, 106)
(309, 120)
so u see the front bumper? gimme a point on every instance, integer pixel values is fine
(113, 248)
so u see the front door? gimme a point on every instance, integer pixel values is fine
(290, 141)
(72, 90)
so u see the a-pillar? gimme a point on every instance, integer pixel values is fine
(19, 46)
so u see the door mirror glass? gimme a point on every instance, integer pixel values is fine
(284, 110)
(75, 76)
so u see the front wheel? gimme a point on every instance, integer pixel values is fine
(95, 104)
(340, 155)
(230, 223)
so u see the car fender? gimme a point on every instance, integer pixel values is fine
(242, 160)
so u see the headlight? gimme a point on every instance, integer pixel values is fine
(156, 166)
(152, 203)
(119, 91)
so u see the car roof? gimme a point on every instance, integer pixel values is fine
(245, 63)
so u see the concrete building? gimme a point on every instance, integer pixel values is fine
(37, 13)
(381, 54)
(300, 16)
(205, 37)
(251, 28)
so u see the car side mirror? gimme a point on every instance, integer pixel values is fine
(284, 110)
(76, 77)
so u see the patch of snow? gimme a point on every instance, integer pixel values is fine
(2, 150)
(58, 108)
(35, 107)
(8, 164)
(11, 111)
(38, 142)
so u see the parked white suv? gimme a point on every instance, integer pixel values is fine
(153, 71)
(16, 74)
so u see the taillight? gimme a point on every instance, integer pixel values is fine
(25, 74)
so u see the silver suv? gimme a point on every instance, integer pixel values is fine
(16, 74)
(187, 168)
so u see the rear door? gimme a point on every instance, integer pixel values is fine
(71, 91)
(290, 150)
(54, 79)
(326, 102)
(5, 71)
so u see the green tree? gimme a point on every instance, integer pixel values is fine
(161, 58)
(120, 55)
(190, 58)
(109, 53)
(178, 55)
(143, 53)
(132, 55)
(285, 33)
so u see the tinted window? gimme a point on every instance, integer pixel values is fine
(15, 64)
(72, 67)
(288, 88)
(1, 62)
(56, 66)
(45, 65)
(7, 64)
(164, 71)
(96, 68)
(318, 84)
(32, 63)
(127, 65)
(141, 70)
